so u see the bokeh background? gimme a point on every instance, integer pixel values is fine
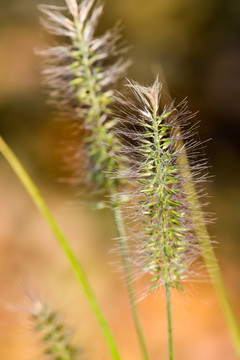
(195, 47)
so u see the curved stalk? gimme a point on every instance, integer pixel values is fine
(207, 249)
(209, 255)
(62, 240)
(118, 220)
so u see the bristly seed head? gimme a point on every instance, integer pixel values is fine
(155, 141)
(55, 338)
(80, 75)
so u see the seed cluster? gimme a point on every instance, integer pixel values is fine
(81, 75)
(154, 151)
(55, 337)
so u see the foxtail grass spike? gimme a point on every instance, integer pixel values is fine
(55, 338)
(166, 244)
(80, 75)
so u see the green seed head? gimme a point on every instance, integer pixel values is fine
(55, 338)
(81, 73)
(154, 149)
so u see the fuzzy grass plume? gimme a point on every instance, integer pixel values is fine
(153, 149)
(55, 338)
(80, 73)
(155, 140)
(168, 168)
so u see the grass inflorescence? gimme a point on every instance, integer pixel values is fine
(81, 75)
(167, 245)
(155, 140)
(55, 338)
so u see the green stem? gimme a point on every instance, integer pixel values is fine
(118, 220)
(208, 253)
(169, 316)
(207, 249)
(77, 268)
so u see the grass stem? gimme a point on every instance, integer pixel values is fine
(209, 255)
(169, 316)
(118, 220)
(77, 268)
(208, 251)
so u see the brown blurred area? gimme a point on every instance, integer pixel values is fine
(195, 47)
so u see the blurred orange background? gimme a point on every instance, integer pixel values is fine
(195, 47)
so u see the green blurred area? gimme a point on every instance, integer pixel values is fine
(194, 46)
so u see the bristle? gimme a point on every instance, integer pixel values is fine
(73, 7)
(85, 9)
